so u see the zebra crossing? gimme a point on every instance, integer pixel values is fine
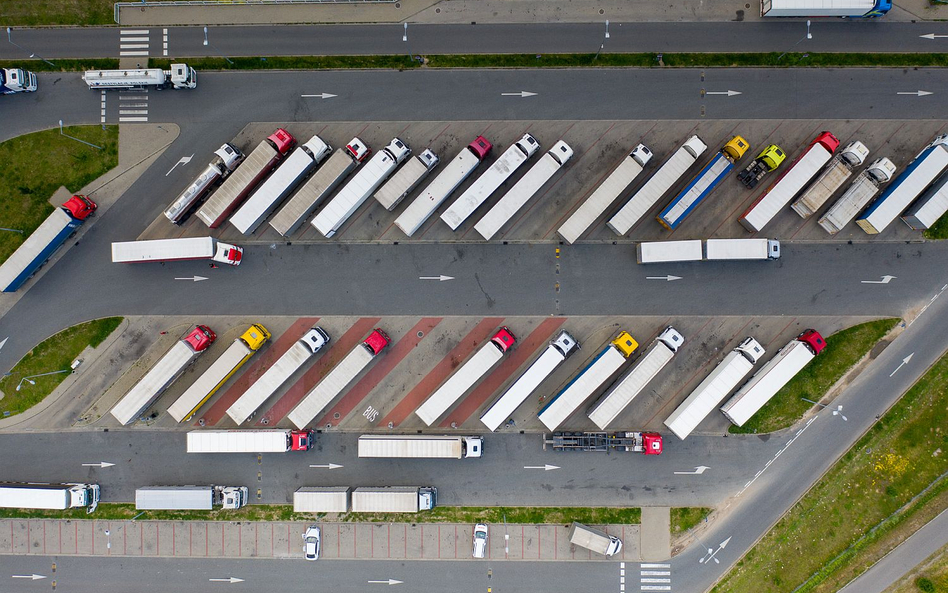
(133, 43)
(654, 577)
(133, 105)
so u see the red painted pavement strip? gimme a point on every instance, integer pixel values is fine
(420, 392)
(213, 414)
(523, 350)
(338, 349)
(393, 356)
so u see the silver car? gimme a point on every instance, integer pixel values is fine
(480, 540)
(311, 543)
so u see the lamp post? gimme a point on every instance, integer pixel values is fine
(206, 44)
(31, 377)
(108, 535)
(205, 36)
(837, 412)
(506, 538)
(607, 28)
(32, 55)
(74, 138)
(802, 39)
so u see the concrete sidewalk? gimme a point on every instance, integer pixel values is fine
(346, 541)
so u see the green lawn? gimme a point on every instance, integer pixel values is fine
(52, 354)
(843, 350)
(894, 473)
(939, 230)
(290, 62)
(684, 518)
(35, 165)
(28, 13)
(61, 65)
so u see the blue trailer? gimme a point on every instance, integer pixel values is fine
(825, 8)
(45, 240)
(703, 184)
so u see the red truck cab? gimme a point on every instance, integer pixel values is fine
(358, 149)
(302, 440)
(377, 341)
(80, 207)
(503, 339)
(480, 147)
(652, 443)
(813, 339)
(282, 140)
(828, 140)
(200, 338)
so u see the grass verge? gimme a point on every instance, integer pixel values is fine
(284, 512)
(684, 518)
(52, 354)
(29, 13)
(33, 166)
(930, 577)
(62, 65)
(939, 230)
(290, 63)
(843, 350)
(894, 473)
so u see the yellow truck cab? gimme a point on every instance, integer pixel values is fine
(768, 160)
(735, 148)
(256, 336)
(625, 344)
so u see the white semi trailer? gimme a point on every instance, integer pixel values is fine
(406, 179)
(559, 350)
(226, 159)
(416, 446)
(190, 498)
(321, 499)
(659, 354)
(51, 497)
(181, 249)
(831, 179)
(858, 195)
(394, 499)
(181, 76)
(250, 441)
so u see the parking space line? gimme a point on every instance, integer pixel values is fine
(524, 349)
(420, 392)
(316, 372)
(394, 355)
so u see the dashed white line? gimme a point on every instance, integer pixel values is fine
(164, 33)
(653, 565)
(134, 31)
(103, 108)
(133, 119)
(778, 454)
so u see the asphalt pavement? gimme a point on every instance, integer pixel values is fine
(878, 36)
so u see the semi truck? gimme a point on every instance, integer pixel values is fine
(17, 80)
(190, 498)
(594, 540)
(44, 241)
(464, 378)
(655, 252)
(660, 182)
(715, 387)
(741, 249)
(245, 178)
(185, 248)
(448, 180)
(607, 193)
(602, 367)
(181, 76)
(250, 441)
(516, 155)
(226, 158)
(768, 160)
(285, 367)
(824, 8)
(920, 173)
(52, 497)
(789, 183)
(219, 372)
(559, 350)
(280, 184)
(315, 189)
(831, 179)
(522, 191)
(858, 195)
(778, 371)
(394, 499)
(703, 184)
(630, 385)
(335, 213)
(324, 499)
(336, 381)
(163, 374)
(416, 446)
(930, 207)
(648, 443)
(406, 179)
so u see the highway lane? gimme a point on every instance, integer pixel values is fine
(430, 39)
(156, 457)
(161, 575)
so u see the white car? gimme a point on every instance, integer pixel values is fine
(311, 543)
(480, 540)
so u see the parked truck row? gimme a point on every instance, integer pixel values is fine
(653, 252)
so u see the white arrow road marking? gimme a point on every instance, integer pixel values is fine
(712, 553)
(728, 93)
(193, 278)
(440, 278)
(932, 36)
(905, 361)
(327, 465)
(520, 94)
(388, 582)
(227, 580)
(101, 464)
(4, 341)
(668, 278)
(184, 161)
(321, 95)
(32, 577)
(545, 468)
(916, 93)
(697, 472)
(885, 280)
